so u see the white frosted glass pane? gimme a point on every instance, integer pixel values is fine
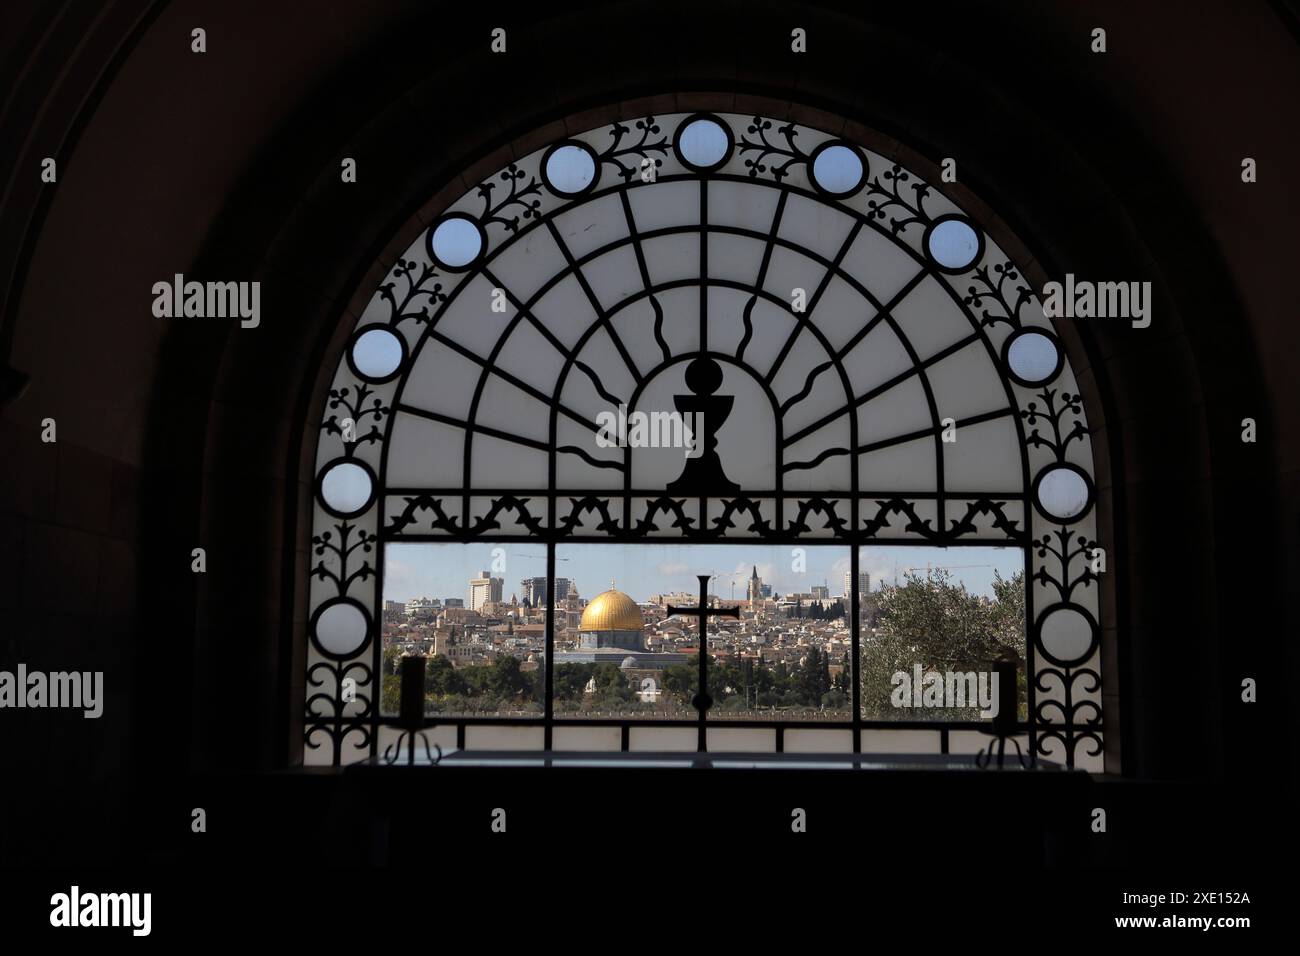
(470, 321)
(838, 169)
(954, 244)
(510, 409)
(789, 270)
(815, 225)
(703, 143)
(909, 466)
(1032, 356)
(901, 742)
(967, 383)
(771, 325)
(877, 358)
(502, 464)
(587, 738)
(592, 224)
(841, 312)
(901, 410)
(346, 487)
(800, 741)
(741, 204)
(504, 738)
(341, 628)
(734, 257)
(879, 263)
(423, 453)
(1066, 634)
(377, 353)
(673, 257)
(566, 311)
(456, 242)
(742, 740)
(614, 276)
(669, 739)
(442, 380)
(531, 357)
(665, 204)
(526, 263)
(570, 169)
(931, 320)
(1063, 493)
(985, 457)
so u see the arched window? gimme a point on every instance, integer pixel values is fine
(870, 367)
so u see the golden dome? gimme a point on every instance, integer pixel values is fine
(612, 611)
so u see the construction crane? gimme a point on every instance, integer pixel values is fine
(943, 567)
(948, 567)
(733, 580)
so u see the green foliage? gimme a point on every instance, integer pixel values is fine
(937, 623)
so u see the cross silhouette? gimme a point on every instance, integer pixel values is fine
(702, 701)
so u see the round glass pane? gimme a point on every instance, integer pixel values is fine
(1066, 634)
(1033, 357)
(838, 169)
(377, 353)
(954, 244)
(570, 170)
(341, 628)
(703, 143)
(456, 242)
(346, 487)
(1062, 493)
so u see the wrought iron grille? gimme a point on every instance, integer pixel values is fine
(843, 310)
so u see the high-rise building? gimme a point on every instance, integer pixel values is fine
(483, 589)
(821, 591)
(864, 583)
(533, 590)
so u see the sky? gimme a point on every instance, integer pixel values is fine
(640, 570)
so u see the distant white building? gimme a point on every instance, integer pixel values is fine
(864, 583)
(483, 589)
(423, 608)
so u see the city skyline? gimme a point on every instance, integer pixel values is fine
(642, 570)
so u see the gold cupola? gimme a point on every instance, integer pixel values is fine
(612, 611)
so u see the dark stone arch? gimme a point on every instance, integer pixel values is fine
(1087, 228)
(1173, 402)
